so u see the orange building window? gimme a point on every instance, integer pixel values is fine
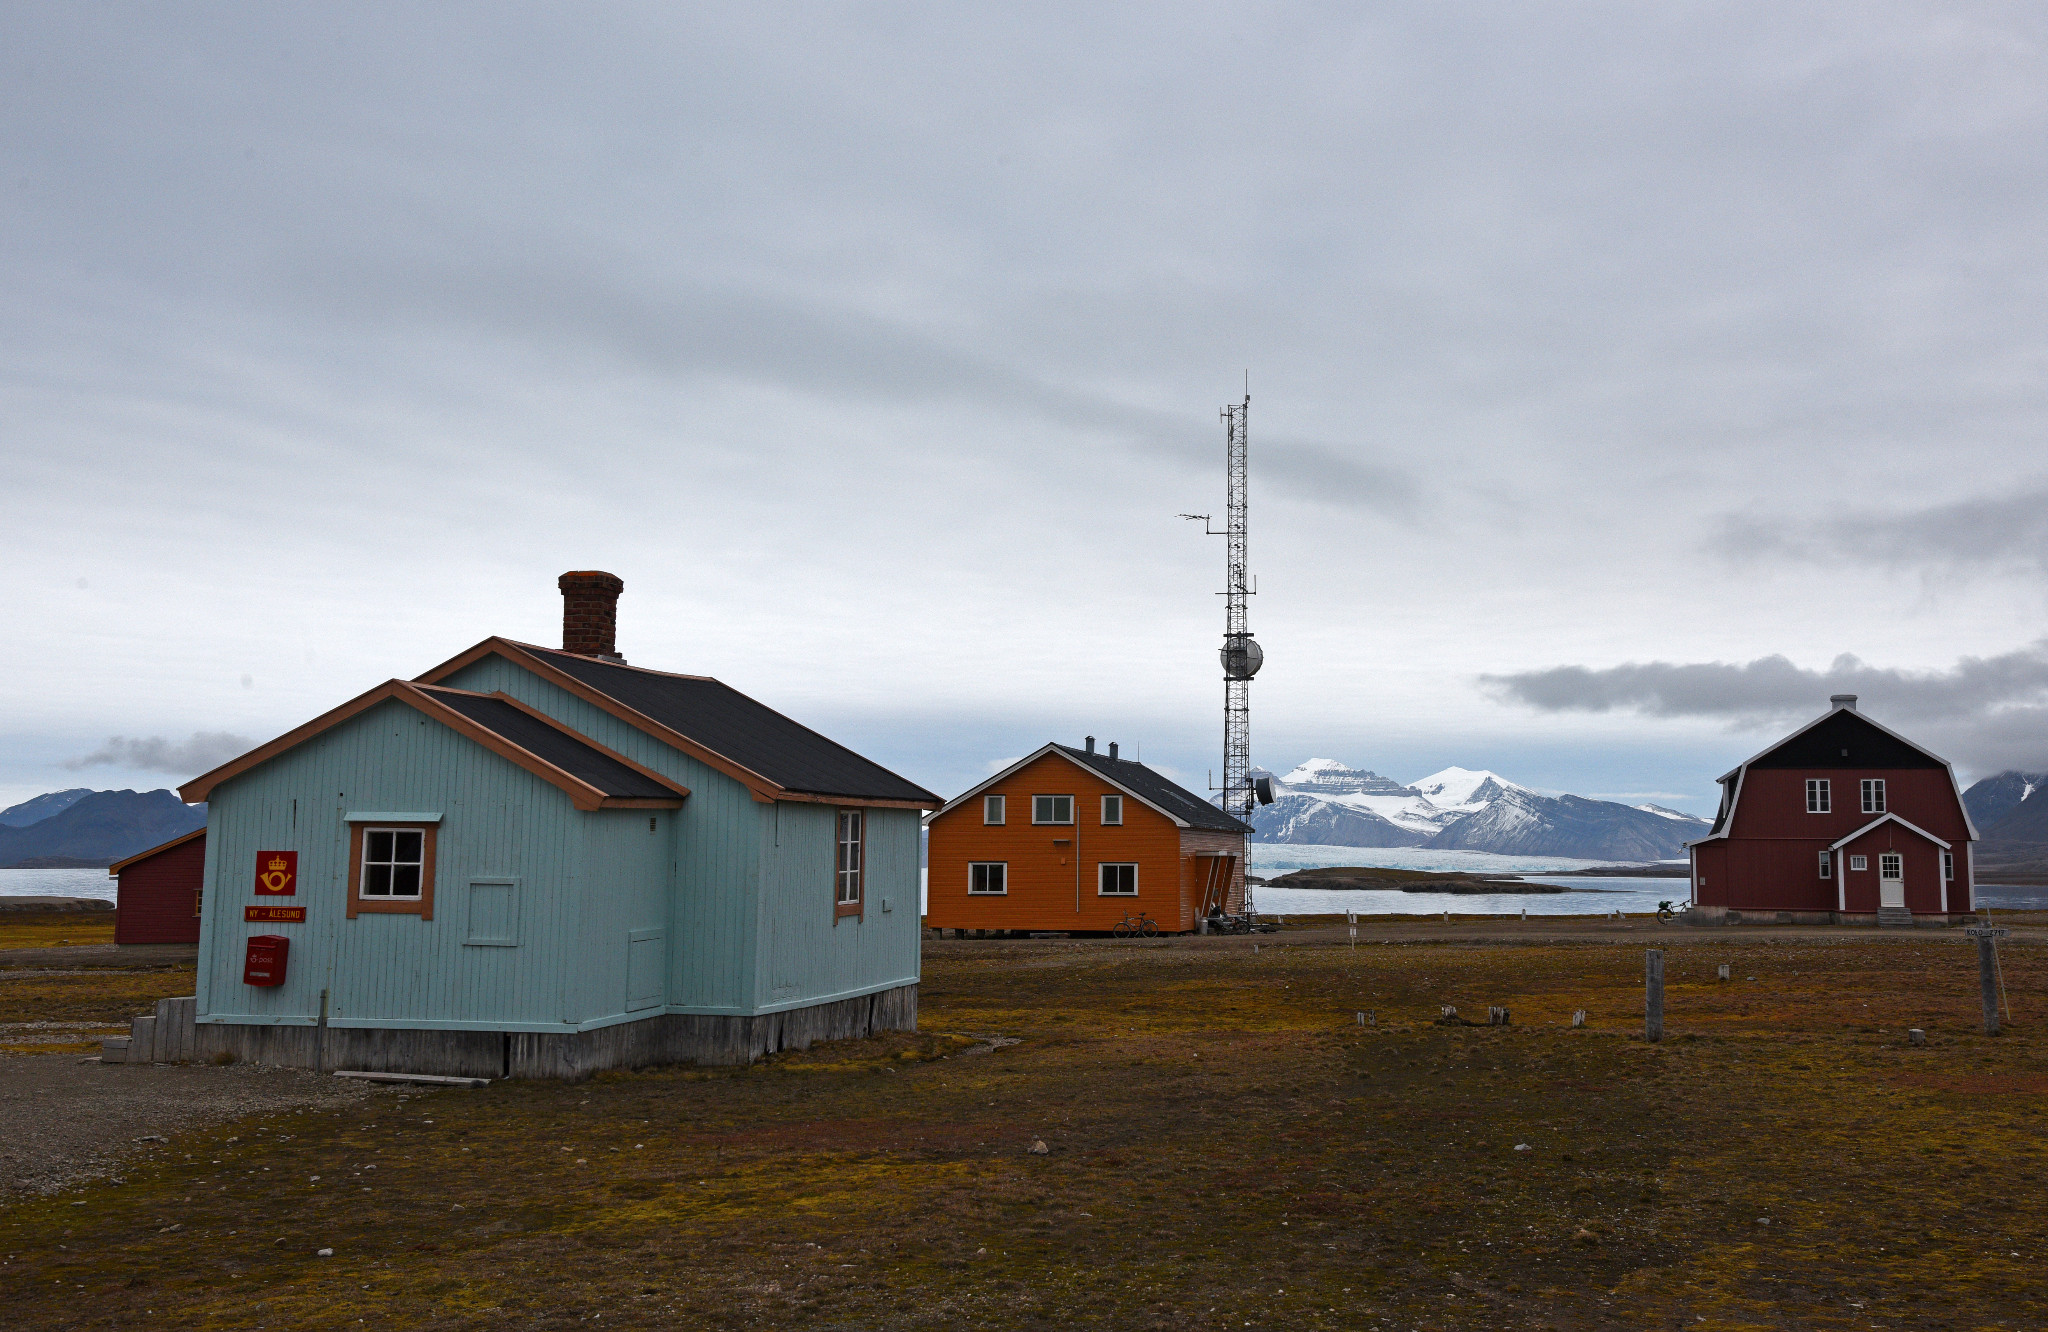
(1052, 809)
(1112, 811)
(988, 878)
(1117, 880)
(993, 811)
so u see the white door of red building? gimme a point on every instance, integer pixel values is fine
(1891, 879)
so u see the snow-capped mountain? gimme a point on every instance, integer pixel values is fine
(1325, 803)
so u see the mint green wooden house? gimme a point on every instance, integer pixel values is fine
(541, 863)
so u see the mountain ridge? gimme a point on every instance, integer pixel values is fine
(1326, 803)
(100, 828)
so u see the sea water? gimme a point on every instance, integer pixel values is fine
(56, 883)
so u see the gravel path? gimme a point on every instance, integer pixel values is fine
(68, 1121)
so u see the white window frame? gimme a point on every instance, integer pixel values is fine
(1103, 865)
(995, 811)
(1003, 878)
(849, 855)
(1873, 795)
(1820, 796)
(1054, 822)
(419, 866)
(1948, 867)
(1827, 864)
(1112, 803)
(1883, 856)
(1858, 864)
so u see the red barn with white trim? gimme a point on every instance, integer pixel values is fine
(156, 894)
(1844, 821)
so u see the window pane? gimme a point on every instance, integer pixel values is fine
(406, 846)
(996, 876)
(1063, 809)
(405, 881)
(377, 846)
(376, 881)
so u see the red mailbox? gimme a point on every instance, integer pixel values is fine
(263, 964)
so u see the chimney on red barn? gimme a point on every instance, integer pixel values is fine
(590, 613)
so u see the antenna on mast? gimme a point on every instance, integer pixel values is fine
(1241, 655)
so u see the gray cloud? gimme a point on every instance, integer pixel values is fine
(1987, 713)
(2009, 531)
(204, 751)
(1773, 688)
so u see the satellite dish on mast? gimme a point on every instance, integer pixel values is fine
(1242, 656)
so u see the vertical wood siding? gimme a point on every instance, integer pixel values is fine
(154, 897)
(744, 912)
(713, 846)
(574, 875)
(808, 951)
(1770, 861)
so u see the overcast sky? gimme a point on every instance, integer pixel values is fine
(1625, 378)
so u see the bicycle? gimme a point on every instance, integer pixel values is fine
(1141, 927)
(1665, 915)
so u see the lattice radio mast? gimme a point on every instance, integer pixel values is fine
(1241, 654)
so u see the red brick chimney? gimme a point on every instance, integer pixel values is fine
(590, 613)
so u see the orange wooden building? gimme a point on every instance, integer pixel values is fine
(1073, 839)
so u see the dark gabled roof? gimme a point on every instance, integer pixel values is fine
(553, 744)
(1845, 739)
(592, 776)
(750, 734)
(1150, 787)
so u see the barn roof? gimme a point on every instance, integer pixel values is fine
(1840, 738)
(592, 776)
(1134, 779)
(772, 755)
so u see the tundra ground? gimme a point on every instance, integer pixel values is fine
(1226, 1146)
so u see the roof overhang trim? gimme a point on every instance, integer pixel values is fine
(1033, 757)
(1879, 822)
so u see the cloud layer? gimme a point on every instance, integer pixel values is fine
(1989, 712)
(206, 750)
(330, 336)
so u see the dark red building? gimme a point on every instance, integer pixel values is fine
(157, 892)
(1842, 822)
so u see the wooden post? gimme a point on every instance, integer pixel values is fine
(1653, 995)
(1352, 918)
(320, 1038)
(1987, 979)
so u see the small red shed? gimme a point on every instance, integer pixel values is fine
(1844, 821)
(157, 892)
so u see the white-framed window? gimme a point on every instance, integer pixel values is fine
(1859, 863)
(1873, 795)
(1827, 864)
(847, 863)
(1112, 811)
(994, 809)
(1948, 866)
(1891, 865)
(988, 878)
(1117, 880)
(1052, 809)
(394, 864)
(1819, 796)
